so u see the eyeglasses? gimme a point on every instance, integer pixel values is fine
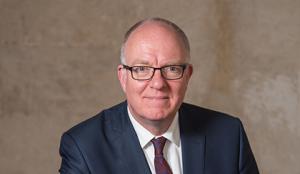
(169, 72)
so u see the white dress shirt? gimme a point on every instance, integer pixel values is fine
(172, 149)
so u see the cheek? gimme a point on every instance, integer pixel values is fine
(178, 86)
(178, 90)
(134, 88)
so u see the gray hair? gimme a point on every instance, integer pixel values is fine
(178, 30)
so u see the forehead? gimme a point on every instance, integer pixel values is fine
(154, 43)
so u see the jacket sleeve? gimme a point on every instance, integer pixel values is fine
(72, 158)
(247, 163)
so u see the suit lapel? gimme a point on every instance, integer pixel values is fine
(131, 156)
(193, 143)
(128, 149)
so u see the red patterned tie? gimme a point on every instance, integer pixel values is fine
(161, 165)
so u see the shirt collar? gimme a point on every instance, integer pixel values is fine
(145, 136)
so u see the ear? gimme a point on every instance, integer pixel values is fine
(190, 70)
(122, 76)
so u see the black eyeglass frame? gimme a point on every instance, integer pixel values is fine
(183, 66)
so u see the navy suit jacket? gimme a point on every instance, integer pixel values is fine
(212, 143)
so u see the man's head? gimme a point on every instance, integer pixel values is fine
(154, 98)
(178, 31)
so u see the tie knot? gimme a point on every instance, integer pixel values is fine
(159, 144)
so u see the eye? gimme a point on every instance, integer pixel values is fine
(173, 68)
(140, 69)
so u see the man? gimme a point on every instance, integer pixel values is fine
(153, 131)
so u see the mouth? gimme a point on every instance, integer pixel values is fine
(157, 97)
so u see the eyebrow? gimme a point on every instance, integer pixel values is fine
(147, 63)
(142, 62)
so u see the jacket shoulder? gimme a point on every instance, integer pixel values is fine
(197, 111)
(99, 122)
(207, 119)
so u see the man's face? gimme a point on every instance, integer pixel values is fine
(155, 45)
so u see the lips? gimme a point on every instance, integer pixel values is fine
(157, 97)
(157, 101)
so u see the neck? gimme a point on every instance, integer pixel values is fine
(156, 127)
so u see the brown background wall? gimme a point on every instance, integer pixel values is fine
(58, 63)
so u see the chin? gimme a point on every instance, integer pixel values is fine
(157, 114)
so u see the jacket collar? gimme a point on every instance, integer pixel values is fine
(125, 140)
(193, 142)
(132, 156)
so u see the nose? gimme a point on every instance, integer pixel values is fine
(157, 81)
